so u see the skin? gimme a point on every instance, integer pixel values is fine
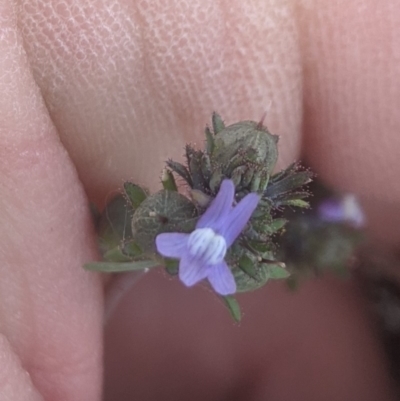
(94, 94)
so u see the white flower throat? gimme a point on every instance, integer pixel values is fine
(206, 245)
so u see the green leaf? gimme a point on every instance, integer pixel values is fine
(135, 194)
(275, 226)
(210, 145)
(216, 180)
(116, 255)
(115, 267)
(168, 180)
(288, 183)
(206, 168)
(277, 272)
(233, 307)
(260, 246)
(194, 158)
(291, 169)
(296, 202)
(181, 170)
(114, 225)
(200, 198)
(131, 249)
(245, 282)
(217, 123)
(171, 266)
(292, 195)
(247, 266)
(165, 211)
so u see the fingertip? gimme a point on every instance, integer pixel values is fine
(15, 382)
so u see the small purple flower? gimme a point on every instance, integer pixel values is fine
(346, 209)
(202, 252)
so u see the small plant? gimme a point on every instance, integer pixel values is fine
(225, 223)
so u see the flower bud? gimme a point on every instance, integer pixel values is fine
(247, 150)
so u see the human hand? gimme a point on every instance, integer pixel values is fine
(121, 87)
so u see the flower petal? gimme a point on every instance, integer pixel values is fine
(353, 211)
(221, 279)
(191, 270)
(172, 245)
(220, 206)
(346, 209)
(238, 217)
(331, 210)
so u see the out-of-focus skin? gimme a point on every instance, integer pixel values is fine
(97, 92)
